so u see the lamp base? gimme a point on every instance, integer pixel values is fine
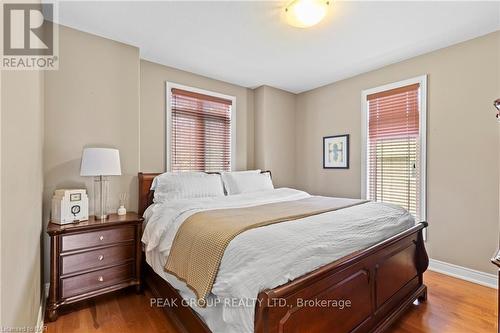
(101, 217)
(101, 190)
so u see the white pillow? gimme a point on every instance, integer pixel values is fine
(229, 183)
(246, 181)
(186, 185)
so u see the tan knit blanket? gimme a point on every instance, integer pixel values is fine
(202, 239)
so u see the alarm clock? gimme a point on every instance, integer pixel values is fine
(70, 206)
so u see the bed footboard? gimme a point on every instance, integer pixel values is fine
(363, 292)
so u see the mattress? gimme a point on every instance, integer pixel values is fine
(286, 250)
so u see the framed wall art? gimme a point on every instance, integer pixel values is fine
(336, 152)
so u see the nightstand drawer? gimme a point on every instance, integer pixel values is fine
(96, 238)
(84, 283)
(96, 258)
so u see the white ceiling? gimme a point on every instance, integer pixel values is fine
(248, 43)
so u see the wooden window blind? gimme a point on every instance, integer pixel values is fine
(394, 147)
(200, 132)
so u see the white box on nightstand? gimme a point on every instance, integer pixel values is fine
(70, 206)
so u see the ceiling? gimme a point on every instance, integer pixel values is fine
(249, 44)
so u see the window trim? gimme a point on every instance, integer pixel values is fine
(422, 80)
(168, 120)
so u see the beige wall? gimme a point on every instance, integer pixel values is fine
(275, 134)
(92, 100)
(21, 196)
(103, 95)
(152, 126)
(462, 150)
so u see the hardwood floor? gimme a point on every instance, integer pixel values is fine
(453, 306)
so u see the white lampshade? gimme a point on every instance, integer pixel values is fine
(100, 162)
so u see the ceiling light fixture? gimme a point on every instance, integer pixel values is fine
(306, 13)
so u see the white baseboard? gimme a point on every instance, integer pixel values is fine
(464, 273)
(41, 309)
(40, 319)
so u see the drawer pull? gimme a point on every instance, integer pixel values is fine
(100, 278)
(100, 257)
(101, 237)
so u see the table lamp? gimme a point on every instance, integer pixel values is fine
(100, 162)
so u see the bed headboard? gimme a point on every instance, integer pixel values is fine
(146, 195)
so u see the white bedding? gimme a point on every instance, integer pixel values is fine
(286, 250)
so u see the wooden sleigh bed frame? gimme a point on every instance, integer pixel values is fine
(380, 282)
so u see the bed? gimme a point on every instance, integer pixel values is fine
(379, 281)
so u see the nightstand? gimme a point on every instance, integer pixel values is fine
(93, 258)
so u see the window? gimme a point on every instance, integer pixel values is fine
(394, 145)
(199, 130)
